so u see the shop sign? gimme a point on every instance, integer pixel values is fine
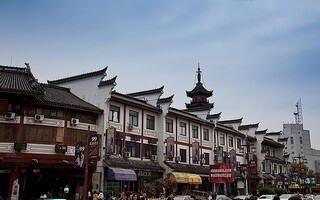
(144, 173)
(253, 166)
(93, 146)
(221, 173)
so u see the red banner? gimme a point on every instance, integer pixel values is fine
(221, 173)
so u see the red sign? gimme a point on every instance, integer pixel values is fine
(93, 146)
(221, 173)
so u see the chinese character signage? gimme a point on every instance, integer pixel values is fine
(221, 173)
(110, 140)
(170, 147)
(93, 146)
(219, 154)
(253, 166)
(79, 154)
(195, 151)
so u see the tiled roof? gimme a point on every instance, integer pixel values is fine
(108, 82)
(146, 92)
(187, 115)
(274, 133)
(115, 96)
(19, 81)
(231, 121)
(198, 106)
(247, 126)
(60, 96)
(166, 100)
(270, 142)
(214, 116)
(262, 132)
(133, 164)
(199, 89)
(230, 130)
(81, 76)
(196, 169)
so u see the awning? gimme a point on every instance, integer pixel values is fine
(121, 174)
(194, 179)
(180, 177)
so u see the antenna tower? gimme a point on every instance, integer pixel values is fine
(298, 113)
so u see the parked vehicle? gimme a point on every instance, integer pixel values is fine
(242, 197)
(285, 196)
(222, 197)
(266, 197)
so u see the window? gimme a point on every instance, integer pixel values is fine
(206, 158)
(183, 155)
(195, 131)
(169, 125)
(222, 139)
(150, 122)
(238, 143)
(41, 134)
(230, 141)
(206, 136)
(114, 113)
(280, 169)
(9, 132)
(149, 150)
(291, 140)
(300, 139)
(133, 148)
(183, 128)
(133, 118)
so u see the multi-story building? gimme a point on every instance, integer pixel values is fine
(299, 143)
(40, 127)
(146, 138)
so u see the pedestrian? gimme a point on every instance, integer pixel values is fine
(101, 195)
(94, 196)
(144, 196)
(161, 196)
(171, 197)
(66, 192)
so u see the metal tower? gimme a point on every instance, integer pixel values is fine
(298, 113)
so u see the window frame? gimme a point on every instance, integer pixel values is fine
(150, 122)
(133, 118)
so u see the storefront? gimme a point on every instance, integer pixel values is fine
(189, 177)
(128, 175)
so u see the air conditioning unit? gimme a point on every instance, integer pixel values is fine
(127, 154)
(130, 127)
(10, 116)
(74, 121)
(154, 157)
(38, 118)
(60, 148)
(178, 158)
(18, 146)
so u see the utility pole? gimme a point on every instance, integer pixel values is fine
(302, 171)
(86, 162)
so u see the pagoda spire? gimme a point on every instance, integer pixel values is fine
(199, 73)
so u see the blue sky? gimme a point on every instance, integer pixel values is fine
(259, 56)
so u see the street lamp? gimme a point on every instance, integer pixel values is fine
(301, 171)
(249, 149)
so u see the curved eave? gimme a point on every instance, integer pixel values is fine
(111, 81)
(272, 143)
(77, 77)
(146, 92)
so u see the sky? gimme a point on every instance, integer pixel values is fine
(258, 56)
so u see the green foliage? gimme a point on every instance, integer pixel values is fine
(280, 191)
(310, 173)
(266, 190)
